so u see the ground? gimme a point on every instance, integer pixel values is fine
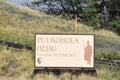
(19, 25)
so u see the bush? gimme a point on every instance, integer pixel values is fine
(116, 25)
(92, 20)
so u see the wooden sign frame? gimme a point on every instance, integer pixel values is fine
(65, 67)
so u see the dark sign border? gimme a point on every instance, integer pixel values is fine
(62, 67)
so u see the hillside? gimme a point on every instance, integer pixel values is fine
(19, 25)
(26, 22)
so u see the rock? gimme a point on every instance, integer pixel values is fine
(15, 74)
(13, 64)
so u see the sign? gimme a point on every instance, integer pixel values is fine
(58, 50)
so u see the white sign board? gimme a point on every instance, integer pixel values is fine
(58, 50)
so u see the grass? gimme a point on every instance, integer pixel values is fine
(15, 62)
(19, 24)
(23, 66)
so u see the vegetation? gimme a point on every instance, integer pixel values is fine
(97, 13)
(19, 64)
(19, 24)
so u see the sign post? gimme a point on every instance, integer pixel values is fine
(64, 51)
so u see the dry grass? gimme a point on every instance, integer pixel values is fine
(19, 24)
(25, 65)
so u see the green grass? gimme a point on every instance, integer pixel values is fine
(107, 45)
(19, 24)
